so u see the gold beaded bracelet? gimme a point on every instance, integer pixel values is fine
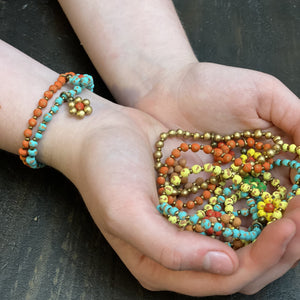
(232, 179)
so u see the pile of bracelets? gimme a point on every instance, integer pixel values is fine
(240, 174)
(77, 106)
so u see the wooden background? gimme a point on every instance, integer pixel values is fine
(49, 245)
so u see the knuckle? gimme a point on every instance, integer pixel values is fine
(171, 258)
(150, 286)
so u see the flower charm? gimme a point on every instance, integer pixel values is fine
(80, 107)
(271, 206)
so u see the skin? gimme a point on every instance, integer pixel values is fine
(170, 89)
(169, 83)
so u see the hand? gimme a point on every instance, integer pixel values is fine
(108, 156)
(220, 98)
(167, 83)
(224, 100)
(115, 175)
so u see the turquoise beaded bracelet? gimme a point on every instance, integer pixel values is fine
(77, 107)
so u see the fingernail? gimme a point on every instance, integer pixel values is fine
(217, 262)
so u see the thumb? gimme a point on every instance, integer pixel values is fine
(280, 106)
(161, 241)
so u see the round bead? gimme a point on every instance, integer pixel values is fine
(206, 224)
(190, 204)
(235, 233)
(228, 208)
(195, 147)
(277, 215)
(199, 200)
(55, 108)
(208, 149)
(79, 105)
(23, 152)
(175, 180)
(257, 133)
(185, 172)
(172, 219)
(38, 136)
(71, 104)
(182, 215)
(170, 161)
(59, 100)
(208, 207)
(42, 127)
(32, 122)
(32, 152)
(269, 207)
(283, 205)
(28, 133)
(218, 227)
(88, 110)
(207, 136)
(47, 117)
(227, 174)
(194, 219)
(48, 94)
(163, 199)
(169, 190)
(237, 179)
(73, 111)
(80, 113)
(196, 169)
(227, 232)
(179, 204)
(217, 170)
(225, 218)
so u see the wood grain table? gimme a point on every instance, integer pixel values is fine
(49, 246)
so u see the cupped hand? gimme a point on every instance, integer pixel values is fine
(115, 176)
(214, 98)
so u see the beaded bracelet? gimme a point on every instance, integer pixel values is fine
(77, 106)
(43, 102)
(231, 179)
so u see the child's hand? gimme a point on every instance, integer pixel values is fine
(115, 176)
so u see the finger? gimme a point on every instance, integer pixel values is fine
(294, 247)
(295, 264)
(132, 216)
(154, 236)
(293, 251)
(279, 106)
(293, 204)
(154, 276)
(273, 239)
(290, 257)
(255, 260)
(125, 207)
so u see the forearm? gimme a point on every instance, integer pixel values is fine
(23, 83)
(132, 43)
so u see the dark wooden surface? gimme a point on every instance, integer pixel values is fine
(49, 245)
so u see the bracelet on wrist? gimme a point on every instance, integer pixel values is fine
(77, 106)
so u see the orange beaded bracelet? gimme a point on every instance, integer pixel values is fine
(43, 102)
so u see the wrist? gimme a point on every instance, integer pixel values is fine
(24, 82)
(149, 74)
(137, 44)
(62, 146)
